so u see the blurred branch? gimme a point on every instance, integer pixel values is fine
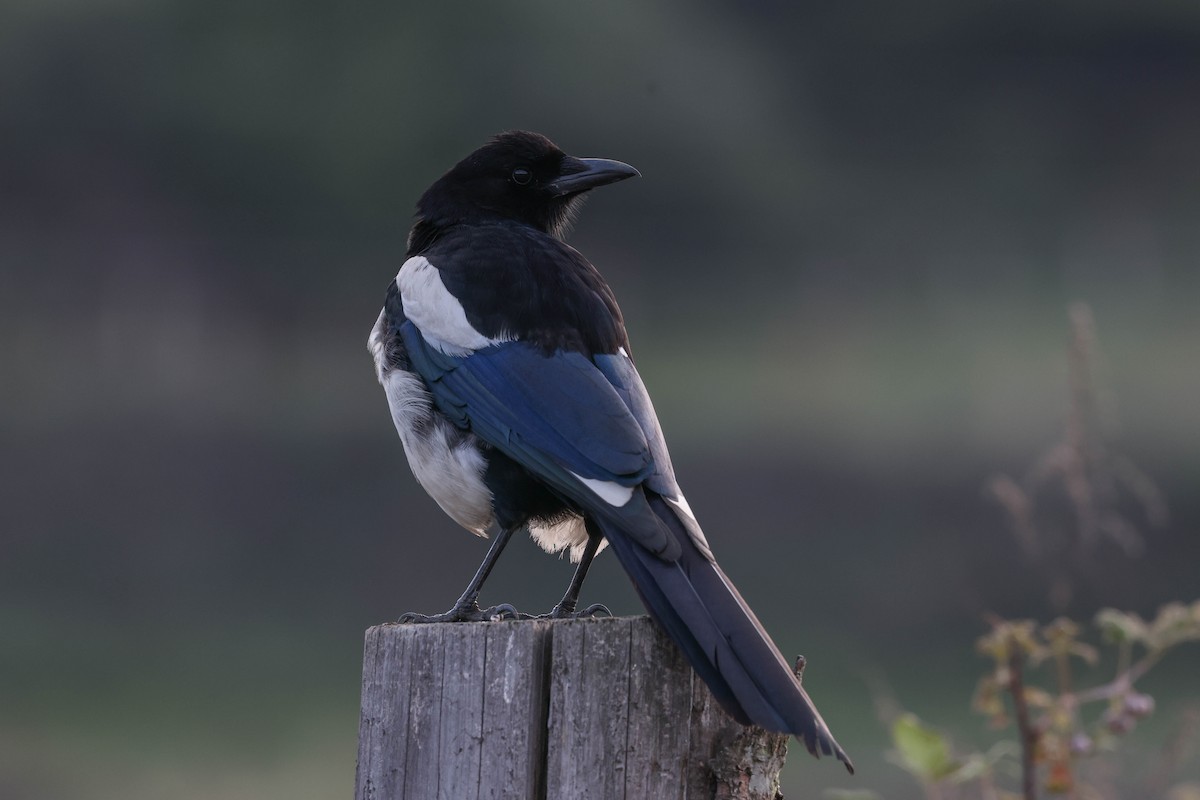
(1028, 735)
(1095, 483)
(1049, 723)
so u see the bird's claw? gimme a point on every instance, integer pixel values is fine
(562, 612)
(595, 610)
(465, 613)
(453, 615)
(504, 611)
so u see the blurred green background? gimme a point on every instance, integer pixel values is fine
(845, 271)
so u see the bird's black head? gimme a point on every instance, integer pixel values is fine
(519, 176)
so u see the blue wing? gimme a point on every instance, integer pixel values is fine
(563, 417)
(567, 418)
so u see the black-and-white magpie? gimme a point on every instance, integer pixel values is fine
(507, 369)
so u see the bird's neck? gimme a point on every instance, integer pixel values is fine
(426, 231)
(422, 236)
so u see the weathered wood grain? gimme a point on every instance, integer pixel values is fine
(514, 711)
(597, 709)
(660, 699)
(589, 709)
(461, 713)
(422, 759)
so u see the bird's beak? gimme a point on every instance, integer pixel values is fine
(580, 174)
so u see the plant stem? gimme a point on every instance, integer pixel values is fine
(1029, 736)
(1120, 684)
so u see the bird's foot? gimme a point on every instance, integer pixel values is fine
(465, 612)
(562, 611)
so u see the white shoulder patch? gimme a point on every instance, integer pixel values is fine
(437, 313)
(612, 493)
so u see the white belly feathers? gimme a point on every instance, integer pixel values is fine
(445, 461)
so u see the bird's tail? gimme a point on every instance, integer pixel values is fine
(702, 611)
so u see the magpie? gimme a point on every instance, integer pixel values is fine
(509, 375)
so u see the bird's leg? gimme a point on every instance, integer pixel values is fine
(466, 608)
(566, 606)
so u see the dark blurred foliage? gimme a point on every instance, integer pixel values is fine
(845, 270)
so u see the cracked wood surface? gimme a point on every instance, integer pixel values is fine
(591, 709)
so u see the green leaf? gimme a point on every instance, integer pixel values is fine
(923, 752)
(973, 767)
(1120, 627)
(1175, 623)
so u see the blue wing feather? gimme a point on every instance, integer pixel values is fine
(560, 404)
(620, 373)
(559, 416)
(564, 415)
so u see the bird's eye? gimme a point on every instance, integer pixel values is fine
(521, 176)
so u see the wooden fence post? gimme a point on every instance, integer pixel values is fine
(593, 709)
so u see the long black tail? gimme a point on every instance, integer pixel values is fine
(702, 611)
